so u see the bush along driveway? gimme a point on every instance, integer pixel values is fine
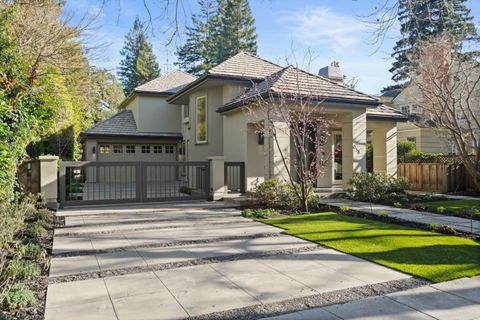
(200, 261)
(424, 254)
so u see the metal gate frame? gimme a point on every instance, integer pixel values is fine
(141, 181)
(235, 176)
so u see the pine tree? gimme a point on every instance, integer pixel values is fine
(236, 29)
(139, 64)
(198, 53)
(423, 19)
(221, 30)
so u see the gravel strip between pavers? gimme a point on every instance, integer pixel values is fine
(314, 301)
(113, 231)
(164, 244)
(181, 264)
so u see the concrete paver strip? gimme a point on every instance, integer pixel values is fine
(467, 288)
(461, 224)
(288, 274)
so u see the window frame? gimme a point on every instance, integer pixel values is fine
(196, 120)
(116, 148)
(146, 149)
(104, 148)
(157, 149)
(169, 147)
(127, 148)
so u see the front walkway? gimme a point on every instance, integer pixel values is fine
(197, 260)
(427, 218)
(457, 299)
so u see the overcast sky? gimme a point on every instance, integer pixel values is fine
(308, 33)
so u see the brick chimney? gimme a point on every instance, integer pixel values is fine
(332, 72)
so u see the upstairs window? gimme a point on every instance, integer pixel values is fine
(201, 120)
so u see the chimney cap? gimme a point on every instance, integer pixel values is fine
(332, 72)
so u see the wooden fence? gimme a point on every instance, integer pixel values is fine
(436, 177)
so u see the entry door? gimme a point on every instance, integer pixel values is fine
(337, 157)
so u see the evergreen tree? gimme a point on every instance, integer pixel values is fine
(424, 19)
(198, 53)
(139, 64)
(221, 30)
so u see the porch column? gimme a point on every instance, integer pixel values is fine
(217, 177)
(385, 148)
(354, 137)
(275, 150)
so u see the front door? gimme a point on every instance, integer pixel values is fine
(337, 157)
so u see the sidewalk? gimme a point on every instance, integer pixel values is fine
(446, 196)
(460, 224)
(458, 299)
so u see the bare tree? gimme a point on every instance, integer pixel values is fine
(285, 107)
(449, 90)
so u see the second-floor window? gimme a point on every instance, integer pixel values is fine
(201, 120)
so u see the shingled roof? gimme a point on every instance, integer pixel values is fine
(168, 83)
(294, 81)
(386, 112)
(123, 124)
(244, 65)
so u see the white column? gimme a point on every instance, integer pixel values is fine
(385, 148)
(354, 137)
(217, 177)
(280, 151)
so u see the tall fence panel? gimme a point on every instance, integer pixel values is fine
(116, 182)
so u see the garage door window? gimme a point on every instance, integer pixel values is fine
(145, 149)
(104, 148)
(130, 149)
(169, 149)
(117, 148)
(157, 149)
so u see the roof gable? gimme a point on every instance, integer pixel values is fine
(169, 83)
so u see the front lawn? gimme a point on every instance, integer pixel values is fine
(425, 254)
(453, 206)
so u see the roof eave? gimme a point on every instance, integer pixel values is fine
(394, 118)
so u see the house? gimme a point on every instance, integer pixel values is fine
(418, 129)
(205, 117)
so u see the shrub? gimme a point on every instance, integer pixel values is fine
(20, 269)
(440, 209)
(42, 214)
(375, 186)
(30, 250)
(18, 296)
(37, 230)
(397, 204)
(404, 148)
(344, 209)
(433, 226)
(382, 214)
(185, 189)
(273, 193)
(259, 213)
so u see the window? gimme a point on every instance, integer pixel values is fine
(117, 148)
(146, 149)
(157, 149)
(261, 138)
(405, 109)
(169, 149)
(104, 148)
(201, 120)
(412, 139)
(186, 111)
(130, 148)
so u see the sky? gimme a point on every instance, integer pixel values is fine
(307, 33)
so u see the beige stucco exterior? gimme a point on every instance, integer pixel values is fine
(155, 114)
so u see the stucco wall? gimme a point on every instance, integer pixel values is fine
(214, 144)
(428, 140)
(156, 115)
(133, 106)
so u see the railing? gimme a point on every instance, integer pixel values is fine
(235, 177)
(115, 182)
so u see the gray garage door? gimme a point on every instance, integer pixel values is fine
(115, 182)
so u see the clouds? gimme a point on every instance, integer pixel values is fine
(316, 25)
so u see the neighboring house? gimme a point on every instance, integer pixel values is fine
(204, 117)
(418, 129)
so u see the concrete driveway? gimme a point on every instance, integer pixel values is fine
(197, 260)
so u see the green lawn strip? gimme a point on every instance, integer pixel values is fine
(425, 254)
(453, 206)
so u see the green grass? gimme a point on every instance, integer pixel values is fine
(453, 206)
(425, 254)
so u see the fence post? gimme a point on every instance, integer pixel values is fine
(217, 177)
(49, 180)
